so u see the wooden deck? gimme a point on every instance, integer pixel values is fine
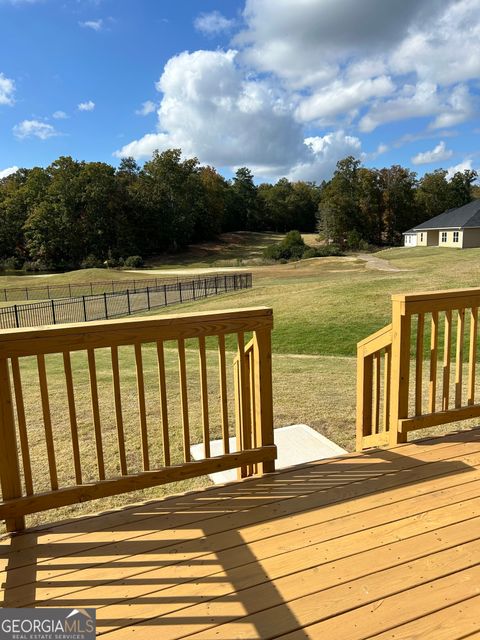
(384, 544)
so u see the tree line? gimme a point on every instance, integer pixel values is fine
(73, 213)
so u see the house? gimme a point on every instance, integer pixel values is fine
(458, 228)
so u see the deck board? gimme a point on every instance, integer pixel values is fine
(383, 544)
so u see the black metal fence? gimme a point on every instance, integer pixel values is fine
(121, 303)
(80, 289)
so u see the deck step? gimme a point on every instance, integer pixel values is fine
(296, 444)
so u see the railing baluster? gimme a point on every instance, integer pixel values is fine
(459, 357)
(163, 403)
(244, 418)
(204, 395)
(22, 427)
(432, 393)
(67, 366)
(96, 413)
(9, 463)
(447, 349)
(47, 421)
(223, 393)
(387, 365)
(141, 406)
(376, 393)
(472, 355)
(117, 395)
(184, 399)
(419, 365)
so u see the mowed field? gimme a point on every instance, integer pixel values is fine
(322, 307)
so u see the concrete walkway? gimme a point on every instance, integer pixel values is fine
(378, 264)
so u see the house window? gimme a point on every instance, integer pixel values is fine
(421, 237)
(455, 236)
(444, 236)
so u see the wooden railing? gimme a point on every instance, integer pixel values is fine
(76, 378)
(428, 356)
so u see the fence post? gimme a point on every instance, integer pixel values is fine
(180, 290)
(16, 315)
(9, 463)
(84, 308)
(225, 282)
(129, 310)
(69, 290)
(216, 285)
(193, 288)
(26, 293)
(48, 292)
(105, 303)
(148, 298)
(165, 294)
(53, 312)
(205, 285)
(263, 393)
(400, 369)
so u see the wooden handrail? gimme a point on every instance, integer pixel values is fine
(421, 390)
(255, 453)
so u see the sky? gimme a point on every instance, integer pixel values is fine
(285, 87)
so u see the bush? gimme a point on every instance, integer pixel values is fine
(134, 262)
(309, 253)
(11, 264)
(92, 262)
(292, 247)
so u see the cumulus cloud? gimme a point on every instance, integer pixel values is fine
(462, 166)
(337, 51)
(146, 108)
(7, 89)
(209, 109)
(34, 129)
(342, 98)
(437, 154)
(59, 115)
(86, 106)
(213, 23)
(95, 25)
(323, 153)
(7, 172)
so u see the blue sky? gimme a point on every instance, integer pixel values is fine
(286, 87)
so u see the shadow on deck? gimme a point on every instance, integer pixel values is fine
(351, 547)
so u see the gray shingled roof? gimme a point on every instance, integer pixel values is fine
(461, 218)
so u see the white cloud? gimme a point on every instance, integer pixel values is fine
(146, 108)
(7, 172)
(438, 154)
(59, 115)
(323, 154)
(86, 106)
(34, 129)
(462, 166)
(95, 25)
(213, 23)
(7, 89)
(210, 110)
(340, 97)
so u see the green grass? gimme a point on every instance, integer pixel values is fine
(324, 306)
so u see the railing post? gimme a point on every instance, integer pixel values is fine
(262, 349)
(364, 396)
(9, 464)
(400, 368)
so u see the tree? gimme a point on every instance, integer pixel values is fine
(245, 202)
(400, 210)
(339, 211)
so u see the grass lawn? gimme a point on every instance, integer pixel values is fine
(322, 307)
